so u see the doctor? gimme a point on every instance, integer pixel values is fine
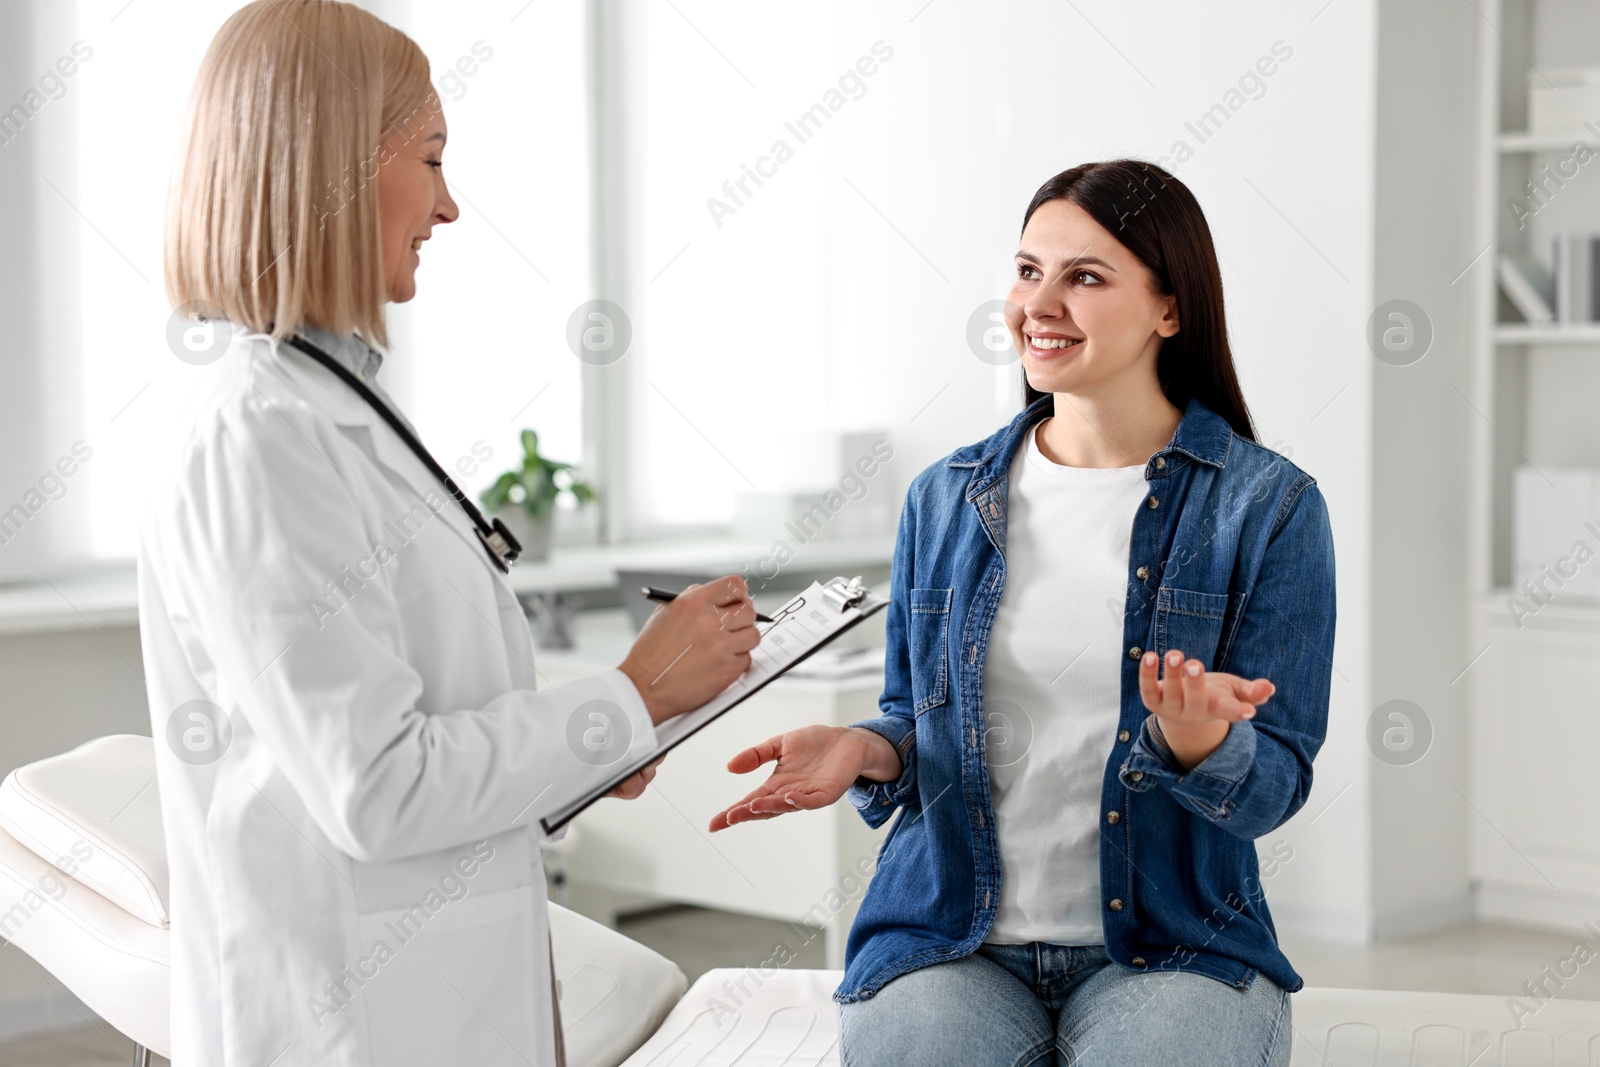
(352, 750)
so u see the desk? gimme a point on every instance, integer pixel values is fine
(800, 867)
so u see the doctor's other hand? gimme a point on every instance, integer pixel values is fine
(815, 765)
(693, 648)
(633, 787)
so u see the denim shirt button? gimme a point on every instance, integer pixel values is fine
(1116, 904)
(1137, 961)
(1137, 776)
(1161, 463)
(1113, 818)
(1133, 653)
(1155, 501)
(1123, 735)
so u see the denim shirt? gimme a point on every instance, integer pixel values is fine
(1231, 561)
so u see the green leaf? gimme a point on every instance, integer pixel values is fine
(494, 498)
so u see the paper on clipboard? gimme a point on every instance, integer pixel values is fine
(810, 620)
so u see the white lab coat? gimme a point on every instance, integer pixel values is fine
(357, 879)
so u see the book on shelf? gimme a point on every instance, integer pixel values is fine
(1574, 276)
(1527, 285)
(1568, 294)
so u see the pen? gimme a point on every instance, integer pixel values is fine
(666, 597)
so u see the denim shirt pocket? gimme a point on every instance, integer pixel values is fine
(929, 641)
(1194, 622)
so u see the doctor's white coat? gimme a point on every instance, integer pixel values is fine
(351, 751)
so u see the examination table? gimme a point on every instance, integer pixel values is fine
(102, 933)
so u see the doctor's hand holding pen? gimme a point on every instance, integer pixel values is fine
(689, 651)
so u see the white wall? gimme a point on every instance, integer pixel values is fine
(1425, 130)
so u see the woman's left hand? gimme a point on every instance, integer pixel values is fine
(634, 787)
(1194, 706)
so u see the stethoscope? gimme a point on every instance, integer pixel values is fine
(502, 547)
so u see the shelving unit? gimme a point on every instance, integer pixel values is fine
(1518, 333)
(1544, 140)
(1533, 724)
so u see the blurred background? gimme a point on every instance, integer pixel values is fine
(716, 255)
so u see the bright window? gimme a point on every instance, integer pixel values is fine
(730, 307)
(479, 354)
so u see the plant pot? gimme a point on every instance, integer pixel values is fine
(533, 534)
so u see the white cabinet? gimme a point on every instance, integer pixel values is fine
(1536, 733)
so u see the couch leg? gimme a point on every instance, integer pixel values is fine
(141, 1056)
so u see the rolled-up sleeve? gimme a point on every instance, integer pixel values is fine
(1260, 774)
(876, 801)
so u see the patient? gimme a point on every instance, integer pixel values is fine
(1109, 648)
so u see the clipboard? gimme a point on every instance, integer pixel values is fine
(810, 620)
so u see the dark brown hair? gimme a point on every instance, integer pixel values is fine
(1157, 218)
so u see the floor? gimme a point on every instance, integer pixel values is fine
(1471, 958)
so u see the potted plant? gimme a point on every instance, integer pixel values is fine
(525, 498)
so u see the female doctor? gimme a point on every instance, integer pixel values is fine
(352, 752)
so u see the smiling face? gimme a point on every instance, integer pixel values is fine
(1083, 312)
(412, 199)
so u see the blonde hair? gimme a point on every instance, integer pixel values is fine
(272, 215)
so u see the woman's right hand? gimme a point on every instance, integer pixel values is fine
(693, 648)
(815, 766)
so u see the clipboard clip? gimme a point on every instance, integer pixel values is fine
(841, 594)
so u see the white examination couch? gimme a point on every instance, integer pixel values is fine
(103, 934)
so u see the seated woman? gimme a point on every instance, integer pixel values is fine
(1109, 648)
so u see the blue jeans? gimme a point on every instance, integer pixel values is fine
(1061, 1006)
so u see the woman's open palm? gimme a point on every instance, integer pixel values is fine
(815, 765)
(1190, 693)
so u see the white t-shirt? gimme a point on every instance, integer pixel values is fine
(1052, 690)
